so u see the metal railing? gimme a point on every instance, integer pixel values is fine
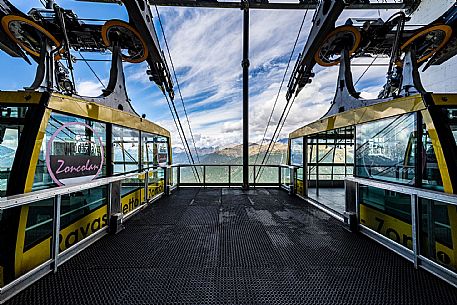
(112, 200)
(416, 197)
(230, 175)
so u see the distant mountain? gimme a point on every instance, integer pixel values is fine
(233, 154)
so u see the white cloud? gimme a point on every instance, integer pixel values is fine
(206, 47)
(89, 88)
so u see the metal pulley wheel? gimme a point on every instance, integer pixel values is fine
(29, 35)
(346, 36)
(427, 41)
(134, 48)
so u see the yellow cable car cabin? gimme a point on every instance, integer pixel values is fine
(406, 142)
(49, 140)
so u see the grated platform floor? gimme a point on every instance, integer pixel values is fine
(226, 246)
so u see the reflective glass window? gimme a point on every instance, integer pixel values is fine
(296, 152)
(155, 150)
(431, 176)
(385, 149)
(388, 213)
(438, 236)
(82, 214)
(73, 151)
(11, 126)
(126, 150)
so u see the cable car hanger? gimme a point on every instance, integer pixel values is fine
(48, 35)
(408, 48)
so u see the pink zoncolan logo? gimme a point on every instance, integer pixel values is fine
(77, 159)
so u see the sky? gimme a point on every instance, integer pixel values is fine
(206, 49)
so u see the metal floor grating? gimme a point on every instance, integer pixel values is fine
(223, 246)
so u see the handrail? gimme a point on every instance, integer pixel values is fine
(277, 181)
(226, 165)
(27, 198)
(408, 190)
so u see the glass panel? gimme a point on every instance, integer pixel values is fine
(388, 213)
(82, 214)
(312, 152)
(325, 172)
(132, 193)
(192, 174)
(300, 173)
(438, 235)
(217, 174)
(350, 153)
(452, 120)
(236, 174)
(11, 126)
(155, 150)
(326, 153)
(73, 152)
(285, 176)
(39, 223)
(174, 174)
(431, 176)
(385, 148)
(268, 175)
(35, 233)
(296, 152)
(156, 183)
(126, 143)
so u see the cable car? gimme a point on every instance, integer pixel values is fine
(52, 137)
(406, 137)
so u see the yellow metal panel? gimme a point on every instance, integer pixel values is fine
(103, 113)
(299, 186)
(445, 99)
(20, 97)
(362, 115)
(28, 188)
(20, 241)
(36, 151)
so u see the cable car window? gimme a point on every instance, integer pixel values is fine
(452, 120)
(126, 150)
(162, 151)
(73, 152)
(11, 126)
(296, 152)
(384, 148)
(155, 150)
(431, 176)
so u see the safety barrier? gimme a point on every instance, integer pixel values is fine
(416, 223)
(80, 215)
(231, 175)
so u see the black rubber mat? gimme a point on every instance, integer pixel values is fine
(225, 246)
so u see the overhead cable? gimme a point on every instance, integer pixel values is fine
(189, 156)
(177, 83)
(280, 88)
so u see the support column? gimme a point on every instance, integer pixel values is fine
(245, 65)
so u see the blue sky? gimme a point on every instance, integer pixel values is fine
(206, 47)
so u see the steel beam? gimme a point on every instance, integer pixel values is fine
(245, 65)
(304, 4)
